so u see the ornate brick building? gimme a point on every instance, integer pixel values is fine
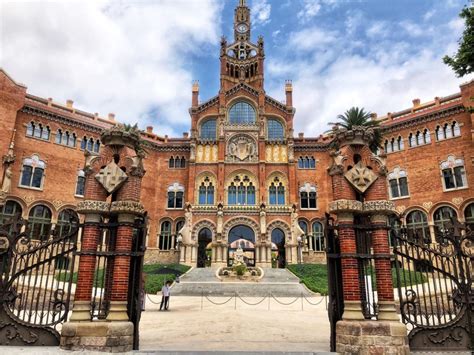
(241, 178)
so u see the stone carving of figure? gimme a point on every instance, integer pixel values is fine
(199, 155)
(239, 256)
(337, 157)
(250, 149)
(188, 223)
(192, 156)
(276, 153)
(283, 153)
(7, 180)
(291, 151)
(232, 149)
(296, 230)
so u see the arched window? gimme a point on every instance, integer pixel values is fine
(316, 239)
(275, 130)
(417, 227)
(412, 140)
(307, 162)
(65, 222)
(206, 192)
(175, 196)
(177, 162)
(97, 146)
(165, 236)
(171, 162)
(242, 113)
(398, 183)
(208, 129)
(400, 144)
(90, 145)
(84, 143)
(456, 129)
(30, 129)
(469, 215)
(426, 136)
(59, 136)
(453, 172)
(9, 210)
(241, 191)
(442, 217)
(276, 192)
(81, 183)
(71, 140)
(179, 226)
(32, 172)
(303, 225)
(39, 222)
(308, 196)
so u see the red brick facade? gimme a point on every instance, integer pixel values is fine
(241, 152)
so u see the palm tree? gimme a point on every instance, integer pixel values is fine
(359, 117)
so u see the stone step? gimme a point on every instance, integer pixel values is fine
(228, 289)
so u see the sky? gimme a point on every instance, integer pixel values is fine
(138, 58)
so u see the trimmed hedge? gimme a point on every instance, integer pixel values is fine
(156, 276)
(315, 277)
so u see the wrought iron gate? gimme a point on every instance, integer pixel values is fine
(136, 293)
(335, 293)
(435, 287)
(36, 280)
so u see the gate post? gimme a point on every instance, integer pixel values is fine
(113, 185)
(360, 190)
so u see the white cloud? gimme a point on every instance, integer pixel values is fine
(110, 56)
(384, 77)
(378, 29)
(429, 14)
(310, 9)
(311, 38)
(260, 11)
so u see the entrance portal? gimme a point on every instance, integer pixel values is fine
(278, 248)
(242, 237)
(204, 253)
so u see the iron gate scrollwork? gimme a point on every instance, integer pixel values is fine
(434, 281)
(335, 292)
(36, 281)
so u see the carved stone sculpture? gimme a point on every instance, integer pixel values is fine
(361, 177)
(111, 177)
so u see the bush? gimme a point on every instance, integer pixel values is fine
(155, 278)
(315, 277)
(240, 269)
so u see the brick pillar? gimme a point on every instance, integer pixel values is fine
(380, 207)
(350, 270)
(92, 207)
(120, 274)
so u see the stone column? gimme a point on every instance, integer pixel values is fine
(193, 253)
(214, 257)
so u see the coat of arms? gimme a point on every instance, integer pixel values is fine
(241, 148)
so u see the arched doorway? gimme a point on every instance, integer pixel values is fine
(204, 250)
(278, 249)
(244, 237)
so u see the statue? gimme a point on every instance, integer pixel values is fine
(7, 180)
(239, 256)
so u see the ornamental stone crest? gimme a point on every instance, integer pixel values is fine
(111, 177)
(241, 148)
(361, 177)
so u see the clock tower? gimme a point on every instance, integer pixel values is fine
(242, 60)
(242, 22)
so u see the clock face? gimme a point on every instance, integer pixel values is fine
(242, 28)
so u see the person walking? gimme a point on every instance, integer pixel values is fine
(165, 296)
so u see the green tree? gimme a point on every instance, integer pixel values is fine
(359, 117)
(463, 61)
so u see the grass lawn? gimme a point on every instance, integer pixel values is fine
(156, 276)
(315, 277)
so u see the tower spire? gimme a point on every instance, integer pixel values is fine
(242, 22)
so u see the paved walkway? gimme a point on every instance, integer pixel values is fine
(197, 324)
(277, 282)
